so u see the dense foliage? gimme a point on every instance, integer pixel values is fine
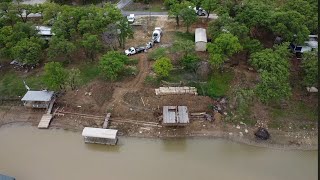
(112, 64)
(162, 67)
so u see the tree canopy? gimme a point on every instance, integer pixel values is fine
(162, 67)
(55, 76)
(112, 64)
(223, 47)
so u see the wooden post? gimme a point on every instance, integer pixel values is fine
(106, 121)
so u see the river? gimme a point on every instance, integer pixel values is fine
(28, 153)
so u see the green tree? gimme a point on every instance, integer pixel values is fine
(28, 51)
(310, 69)
(188, 16)
(125, 31)
(209, 6)
(58, 46)
(190, 62)
(273, 87)
(55, 76)
(273, 66)
(112, 64)
(169, 3)
(290, 25)
(183, 46)
(254, 15)
(307, 9)
(175, 9)
(162, 67)
(224, 46)
(73, 79)
(92, 45)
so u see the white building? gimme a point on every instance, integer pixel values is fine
(200, 39)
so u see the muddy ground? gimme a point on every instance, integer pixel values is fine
(136, 110)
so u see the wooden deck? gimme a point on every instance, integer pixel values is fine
(175, 116)
(45, 121)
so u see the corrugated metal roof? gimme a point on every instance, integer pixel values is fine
(44, 30)
(200, 35)
(38, 96)
(3, 177)
(99, 133)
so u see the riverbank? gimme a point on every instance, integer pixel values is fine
(294, 140)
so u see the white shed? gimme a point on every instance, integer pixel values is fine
(200, 39)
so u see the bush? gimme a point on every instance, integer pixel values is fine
(190, 62)
(112, 64)
(162, 67)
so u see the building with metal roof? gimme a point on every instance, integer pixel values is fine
(200, 39)
(100, 136)
(44, 31)
(37, 99)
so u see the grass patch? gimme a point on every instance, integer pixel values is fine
(217, 86)
(88, 72)
(184, 35)
(296, 111)
(153, 81)
(11, 85)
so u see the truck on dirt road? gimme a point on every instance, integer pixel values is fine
(156, 35)
(133, 50)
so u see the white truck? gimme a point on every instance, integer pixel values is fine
(133, 50)
(310, 45)
(131, 18)
(156, 35)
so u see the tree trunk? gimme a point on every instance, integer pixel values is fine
(208, 13)
(177, 20)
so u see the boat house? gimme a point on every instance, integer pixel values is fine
(200, 39)
(100, 136)
(38, 99)
(175, 116)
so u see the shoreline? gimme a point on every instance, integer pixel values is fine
(209, 135)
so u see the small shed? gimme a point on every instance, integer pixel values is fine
(100, 136)
(44, 32)
(175, 116)
(37, 99)
(200, 39)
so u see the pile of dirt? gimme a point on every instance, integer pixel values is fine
(88, 98)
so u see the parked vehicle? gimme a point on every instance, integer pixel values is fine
(310, 45)
(131, 18)
(133, 50)
(156, 35)
(149, 44)
(199, 11)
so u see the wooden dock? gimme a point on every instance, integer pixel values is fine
(45, 121)
(46, 118)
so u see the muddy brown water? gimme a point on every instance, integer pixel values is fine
(28, 153)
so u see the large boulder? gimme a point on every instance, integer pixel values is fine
(262, 133)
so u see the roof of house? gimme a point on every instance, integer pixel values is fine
(99, 133)
(200, 35)
(38, 96)
(44, 30)
(3, 177)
